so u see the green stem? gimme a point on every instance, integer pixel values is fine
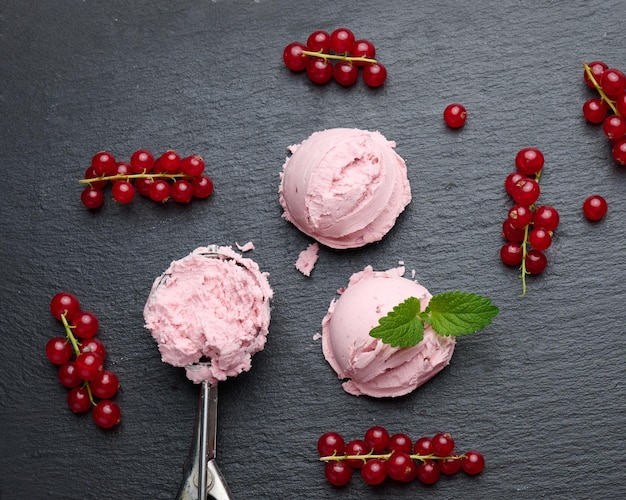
(525, 247)
(338, 57)
(386, 456)
(76, 346)
(125, 177)
(598, 87)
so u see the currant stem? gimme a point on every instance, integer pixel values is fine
(386, 456)
(125, 177)
(70, 336)
(598, 87)
(338, 57)
(525, 247)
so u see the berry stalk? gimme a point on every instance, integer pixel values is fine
(339, 57)
(72, 338)
(525, 247)
(125, 177)
(598, 87)
(387, 456)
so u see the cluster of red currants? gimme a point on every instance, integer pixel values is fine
(527, 224)
(81, 362)
(168, 176)
(316, 57)
(380, 455)
(610, 83)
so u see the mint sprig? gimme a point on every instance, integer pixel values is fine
(449, 313)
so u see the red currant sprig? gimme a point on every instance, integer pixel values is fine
(168, 176)
(380, 455)
(81, 362)
(528, 228)
(322, 48)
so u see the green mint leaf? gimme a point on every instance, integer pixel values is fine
(401, 327)
(459, 313)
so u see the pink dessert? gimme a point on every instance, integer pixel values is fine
(307, 259)
(344, 187)
(205, 308)
(370, 366)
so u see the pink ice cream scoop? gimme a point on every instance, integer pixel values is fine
(211, 305)
(344, 187)
(369, 366)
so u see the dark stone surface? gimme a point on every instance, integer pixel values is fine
(540, 392)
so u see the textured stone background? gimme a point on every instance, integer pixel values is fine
(540, 392)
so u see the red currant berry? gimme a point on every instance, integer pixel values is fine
(64, 303)
(400, 442)
(142, 161)
(122, 168)
(511, 254)
(540, 239)
(529, 161)
(450, 466)
(202, 187)
(123, 192)
(455, 115)
(103, 163)
(318, 41)
(338, 473)
(67, 375)
(160, 190)
(546, 217)
(401, 467)
(520, 216)
(182, 191)
(346, 73)
(374, 471)
(293, 57)
(143, 186)
(90, 174)
(428, 472)
(58, 350)
(319, 70)
(374, 74)
(89, 365)
(84, 324)
(597, 68)
(511, 233)
(620, 104)
(92, 198)
(105, 385)
(169, 162)
(526, 191)
(330, 443)
(595, 207)
(106, 414)
(619, 152)
(443, 444)
(511, 180)
(535, 261)
(78, 399)
(94, 345)
(363, 48)
(595, 110)
(614, 127)
(354, 448)
(613, 82)
(192, 165)
(376, 438)
(342, 40)
(473, 462)
(423, 446)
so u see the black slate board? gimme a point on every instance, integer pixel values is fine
(540, 392)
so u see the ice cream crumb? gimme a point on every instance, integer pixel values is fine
(317, 336)
(412, 273)
(400, 262)
(307, 259)
(245, 248)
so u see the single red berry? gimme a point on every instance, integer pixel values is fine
(293, 57)
(376, 438)
(89, 365)
(142, 161)
(540, 239)
(511, 254)
(511, 233)
(511, 180)
(58, 350)
(529, 161)
(520, 216)
(443, 444)
(363, 48)
(182, 191)
(92, 198)
(78, 399)
(526, 191)
(374, 74)
(374, 471)
(192, 165)
(450, 466)
(160, 190)
(400, 442)
(64, 303)
(345, 73)
(613, 82)
(143, 186)
(614, 127)
(338, 473)
(123, 192)
(94, 345)
(318, 41)
(342, 40)
(169, 162)
(595, 207)
(122, 168)
(546, 217)
(597, 68)
(423, 446)
(90, 174)
(620, 104)
(330, 443)
(401, 467)
(319, 71)
(455, 115)
(84, 324)
(354, 448)
(428, 472)
(619, 152)
(595, 110)
(103, 163)
(67, 375)
(473, 462)
(535, 261)
(105, 385)
(202, 186)
(107, 414)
